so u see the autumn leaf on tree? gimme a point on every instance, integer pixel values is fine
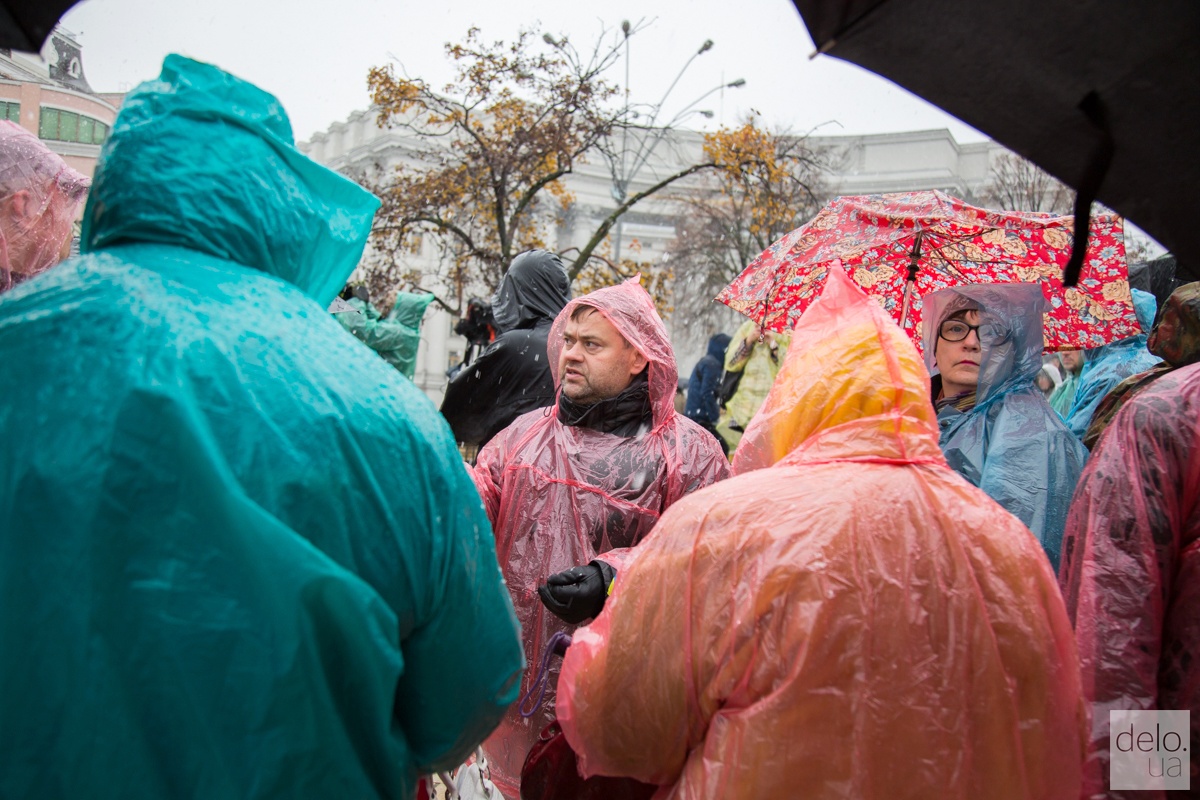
(487, 152)
(484, 159)
(764, 184)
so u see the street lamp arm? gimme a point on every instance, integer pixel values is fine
(586, 252)
(732, 85)
(649, 143)
(658, 106)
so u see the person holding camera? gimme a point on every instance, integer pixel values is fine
(512, 376)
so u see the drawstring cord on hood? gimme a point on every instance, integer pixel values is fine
(557, 645)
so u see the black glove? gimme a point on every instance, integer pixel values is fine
(578, 593)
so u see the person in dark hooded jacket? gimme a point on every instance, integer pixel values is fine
(512, 376)
(702, 407)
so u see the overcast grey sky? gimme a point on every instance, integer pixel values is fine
(315, 55)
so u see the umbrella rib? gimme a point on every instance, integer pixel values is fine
(845, 28)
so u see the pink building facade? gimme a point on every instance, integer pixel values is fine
(48, 95)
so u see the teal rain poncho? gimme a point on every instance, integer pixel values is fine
(1011, 443)
(239, 556)
(394, 337)
(1110, 364)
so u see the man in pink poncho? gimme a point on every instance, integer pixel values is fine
(39, 198)
(590, 475)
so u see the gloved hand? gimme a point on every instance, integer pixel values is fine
(577, 593)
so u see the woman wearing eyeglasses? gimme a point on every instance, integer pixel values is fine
(983, 347)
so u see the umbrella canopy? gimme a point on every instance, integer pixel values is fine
(25, 24)
(1103, 95)
(939, 241)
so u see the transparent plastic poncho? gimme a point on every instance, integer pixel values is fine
(1131, 559)
(559, 495)
(1110, 364)
(41, 196)
(1012, 444)
(845, 618)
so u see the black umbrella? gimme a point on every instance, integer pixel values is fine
(1102, 94)
(25, 24)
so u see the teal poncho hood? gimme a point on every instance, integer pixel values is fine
(240, 556)
(203, 160)
(1112, 363)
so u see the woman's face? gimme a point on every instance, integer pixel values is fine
(958, 361)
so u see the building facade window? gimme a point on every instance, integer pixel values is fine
(10, 111)
(67, 126)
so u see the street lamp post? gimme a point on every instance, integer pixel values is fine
(626, 169)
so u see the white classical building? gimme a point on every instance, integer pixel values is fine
(891, 162)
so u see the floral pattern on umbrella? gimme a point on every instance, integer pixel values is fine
(872, 237)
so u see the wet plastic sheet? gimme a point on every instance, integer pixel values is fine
(850, 619)
(1130, 559)
(1012, 444)
(239, 556)
(559, 495)
(1110, 364)
(38, 228)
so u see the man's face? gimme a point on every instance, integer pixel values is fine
(36, 231)
(958, 361)
(1072, 360)
(1166, 337)
(596, 362)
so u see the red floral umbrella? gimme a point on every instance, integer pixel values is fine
(901, 247)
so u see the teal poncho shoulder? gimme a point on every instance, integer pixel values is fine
(239, 555)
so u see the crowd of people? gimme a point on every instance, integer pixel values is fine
(243, 556)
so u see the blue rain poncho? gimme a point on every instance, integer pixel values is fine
(1011, 443)
(1110, 364)
(239, 556)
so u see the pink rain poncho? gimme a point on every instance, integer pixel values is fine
(846, 618)
(41, 196)
(1131, 566)
(559, 495)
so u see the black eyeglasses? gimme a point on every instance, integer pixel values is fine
(955, 330)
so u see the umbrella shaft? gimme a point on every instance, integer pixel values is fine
(908, 289)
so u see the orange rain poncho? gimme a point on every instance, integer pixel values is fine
(42, 197)
(852, 619)
(559, 495)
